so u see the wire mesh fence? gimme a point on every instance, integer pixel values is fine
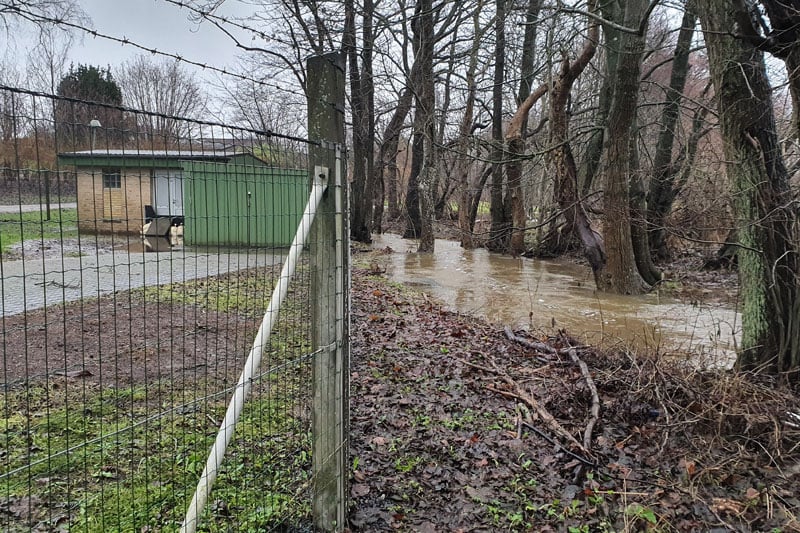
(138, 255)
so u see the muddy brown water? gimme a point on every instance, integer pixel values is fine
(544, 295)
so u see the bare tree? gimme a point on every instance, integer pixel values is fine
(662, 191)
(424, 120)
(499, 236)
(261, 107)
(11, 113)
(43, 15)
(620, 273)
(283, 33)
(780, 37)
(362, 107)
(48, 60)
(386, 170)
(166, 89)
(466, 145)
(560, 159)
(516, 131)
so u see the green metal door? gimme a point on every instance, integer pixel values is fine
(228, 204)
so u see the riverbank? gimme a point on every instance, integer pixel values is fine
(451, 430)
(692, 313)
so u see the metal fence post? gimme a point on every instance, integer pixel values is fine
(329, 251)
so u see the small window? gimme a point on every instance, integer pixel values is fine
(112, 179)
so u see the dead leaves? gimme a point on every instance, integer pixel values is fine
(359, 490)
(687, 468)
(379, 441)
(438, 451)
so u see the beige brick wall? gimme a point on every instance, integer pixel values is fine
(102, 210)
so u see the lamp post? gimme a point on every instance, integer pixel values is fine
(94, 124)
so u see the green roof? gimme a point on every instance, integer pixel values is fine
(151, 158)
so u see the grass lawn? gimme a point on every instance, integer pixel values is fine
(16, 227)
(98, 458)
(88, 455)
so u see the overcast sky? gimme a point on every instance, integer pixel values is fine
(155, 24)
(150, 23)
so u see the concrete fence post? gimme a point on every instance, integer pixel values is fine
(329, 252)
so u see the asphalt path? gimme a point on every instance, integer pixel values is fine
(32, 208)
(38, 282)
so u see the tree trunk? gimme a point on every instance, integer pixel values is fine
(426, 100)
(793, 69)
(518, 216)
(638, 207)
(662, 191)
(766, 222)
(368, 116)
(594, 148)
(590, 164)
(359, 229)
(499, 233)
(514, 156)
(413, 222)
(379, 197)
(621, 274)
(561, 162)
(469, 201)
(515, 147)
(387, 172)
(466, 193)
(526, 68)
(782, 42)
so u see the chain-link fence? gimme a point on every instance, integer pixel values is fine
(139, 254)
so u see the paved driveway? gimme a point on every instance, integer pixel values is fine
(32, 208)
(39, 282)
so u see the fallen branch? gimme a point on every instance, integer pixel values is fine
(538, 346)
(541, 347)
(595, 411)
(543, 413)
(520, 394)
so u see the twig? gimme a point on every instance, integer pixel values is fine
(595, 411)
(520, 394)
(549, 439)
(620, 493)
(718, 517)
(667, 418)
(543, 413)
(538, 346)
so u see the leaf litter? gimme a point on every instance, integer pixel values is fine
(458, 425)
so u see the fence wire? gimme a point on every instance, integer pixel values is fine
(137, 257)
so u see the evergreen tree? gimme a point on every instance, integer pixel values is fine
(86, 88)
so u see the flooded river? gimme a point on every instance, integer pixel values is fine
(538, 295)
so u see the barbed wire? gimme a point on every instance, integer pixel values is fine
(200, 122)
(40, 17)
(206, 14)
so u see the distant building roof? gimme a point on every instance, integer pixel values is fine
(153, 154)
(132, 158)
